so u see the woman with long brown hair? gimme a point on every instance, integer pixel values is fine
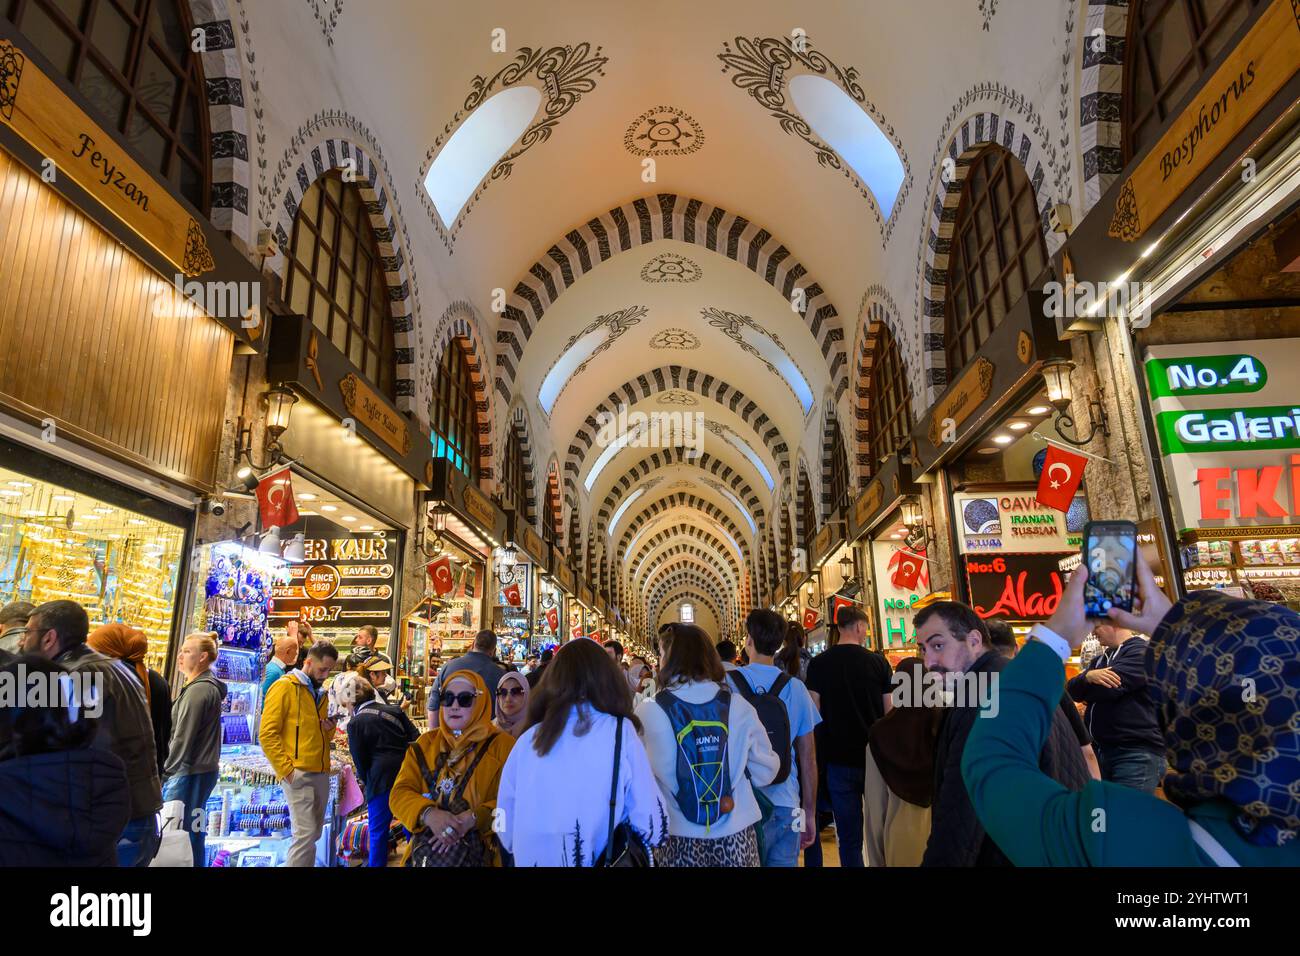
(555, 788)
(708, 750)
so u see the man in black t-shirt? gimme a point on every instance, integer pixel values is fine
(850, 686)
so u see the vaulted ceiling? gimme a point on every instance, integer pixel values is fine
(669, 235)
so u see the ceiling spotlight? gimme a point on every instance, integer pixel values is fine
(349, 518)
(989, 451)
(307, 496)
(1003, 439)
(367, 527)
(328, 508)
(1038, 410)
(1018, 426)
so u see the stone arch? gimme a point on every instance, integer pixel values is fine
(660, 538)
(227, 116)
(335, 152)
(877, 316)
(646, 220)
(685, 554)
(800, 531)
(1101, 95)
(970, 136)
(691, 579)
(830, 424)
(666, 457)
(519, 419)
(684, 499)
(676, 378)
(685, 588)
(459, 324)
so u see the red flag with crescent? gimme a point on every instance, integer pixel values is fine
(838, 602)
(908, 570)
(810, 618)
(511, 593)
(1062, 472)
(440, 573)
(275, 499)
(577, 632)
(553, 620)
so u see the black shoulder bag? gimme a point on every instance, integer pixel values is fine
(625, 846)
(469, 850)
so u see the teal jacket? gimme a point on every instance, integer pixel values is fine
(1037, 822)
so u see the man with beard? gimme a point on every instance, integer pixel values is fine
(957, 648)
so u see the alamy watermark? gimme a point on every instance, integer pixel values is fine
(221, 300)
(636, 429)
(1097, 300)
(934, 689)
(81, 693)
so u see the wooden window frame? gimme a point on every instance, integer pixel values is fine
(889, 401)
(453, 414)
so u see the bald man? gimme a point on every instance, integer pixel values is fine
(283, 659)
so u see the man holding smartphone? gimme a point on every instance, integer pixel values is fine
(1121, 716)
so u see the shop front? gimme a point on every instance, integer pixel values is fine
(889, 530)
(834, 570)
(356, 466)
(582, 612)
(105, 462)
(540, 595)
(566, 607)
(465, 531)
(1205, 240)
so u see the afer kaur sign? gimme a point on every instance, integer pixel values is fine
(1228, 424)
(1013, 522)
(343, 583)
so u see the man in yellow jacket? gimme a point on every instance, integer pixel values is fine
(296, 738)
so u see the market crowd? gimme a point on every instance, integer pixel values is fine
(1188, 746)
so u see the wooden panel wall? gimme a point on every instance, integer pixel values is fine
(96, 340)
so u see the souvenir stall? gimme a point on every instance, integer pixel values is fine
(248, 815)
(549, 614)
(513, 589)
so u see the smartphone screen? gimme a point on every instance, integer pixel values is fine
(1110, 553)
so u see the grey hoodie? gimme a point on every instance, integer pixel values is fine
(196, 727)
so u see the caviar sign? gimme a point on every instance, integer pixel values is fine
(1228, 425)
(343, 583)
(1014, 522)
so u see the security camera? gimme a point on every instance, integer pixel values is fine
(266, 244)
(214, 506)
(1059, 218)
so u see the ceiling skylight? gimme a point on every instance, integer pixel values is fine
(847, 129)
(744, 448)
(613, 522)
(473, 149)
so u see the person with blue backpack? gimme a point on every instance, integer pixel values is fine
(787, 712)
(708, 750)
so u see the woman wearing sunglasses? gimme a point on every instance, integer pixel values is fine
(512, 703)
(463, 757)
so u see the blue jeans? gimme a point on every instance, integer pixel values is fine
(139, 841)
(780, 839)
(380, 815)
(847, 786)
(1132, 767)
(812, 856)
(193, 789)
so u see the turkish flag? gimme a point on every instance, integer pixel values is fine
(440, 572)
(275, 500)
(907, 571)
(577, 632)
(810, 618)
(553, 620)
(1062, 472)
(511, 593)
(838, 602)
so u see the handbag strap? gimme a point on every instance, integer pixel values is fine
(430, 780)
(1211, 847)
(469, 771)
(613, 784)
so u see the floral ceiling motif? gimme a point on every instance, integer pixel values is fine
(670, 267)
(663, 131)
(675, 339)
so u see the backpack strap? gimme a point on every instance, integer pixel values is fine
(613, 784)
(742, 685)
(1210, 846)
(779, 684)
(469, 771)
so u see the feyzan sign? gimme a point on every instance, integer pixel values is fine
(40, 112)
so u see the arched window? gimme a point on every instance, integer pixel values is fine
(132, 61)
(453, 416)
(1170, 44)
(889, 400)
(336, 277)
(513, 480)
(807, 518)
(997, 251)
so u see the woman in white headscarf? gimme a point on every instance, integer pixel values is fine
(512, 703)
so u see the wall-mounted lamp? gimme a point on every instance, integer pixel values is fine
(846, 567)
(279, 402)
(429, 538)
(913, 514)
(1056, 374)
